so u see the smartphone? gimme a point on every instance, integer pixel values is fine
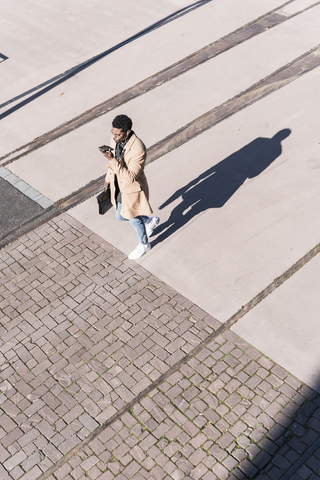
(105, 148)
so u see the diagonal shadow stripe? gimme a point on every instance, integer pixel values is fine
(270, 84)
(53, 82)
(252, 29)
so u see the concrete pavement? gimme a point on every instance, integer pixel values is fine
(201, 359)
(113, 73)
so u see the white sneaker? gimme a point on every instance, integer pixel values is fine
(140, 250)
(151, 225)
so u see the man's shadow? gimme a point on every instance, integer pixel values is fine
(214, 187)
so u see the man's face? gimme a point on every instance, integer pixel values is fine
(118, 135)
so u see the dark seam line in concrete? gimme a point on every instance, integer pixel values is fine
(250, 30)
(285, 75)
(226, 326)
(83, 65)
(301, 462)
(273, 82)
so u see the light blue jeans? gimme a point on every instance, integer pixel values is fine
(138, 223)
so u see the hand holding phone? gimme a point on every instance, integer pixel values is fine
(105, 148)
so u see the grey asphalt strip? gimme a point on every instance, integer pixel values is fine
(15, 208)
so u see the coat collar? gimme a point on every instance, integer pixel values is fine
(131, 141)
(128, 145)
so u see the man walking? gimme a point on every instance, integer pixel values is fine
(128, 184)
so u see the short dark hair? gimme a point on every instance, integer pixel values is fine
(123, 122)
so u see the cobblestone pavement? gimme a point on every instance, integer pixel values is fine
(227, 410)
(84, 331)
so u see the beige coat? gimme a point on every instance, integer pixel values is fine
(131, 179)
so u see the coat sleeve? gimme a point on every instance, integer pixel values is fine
(107, 177)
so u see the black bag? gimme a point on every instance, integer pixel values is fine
(104, 201)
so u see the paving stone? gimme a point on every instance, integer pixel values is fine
(78, 365)
(173, 452)
(15, 460)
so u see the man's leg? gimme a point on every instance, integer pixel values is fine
(118, 214)
(139, 224)
(151, 224)
(144, 246)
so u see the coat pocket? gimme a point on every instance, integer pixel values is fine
(133, 188)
